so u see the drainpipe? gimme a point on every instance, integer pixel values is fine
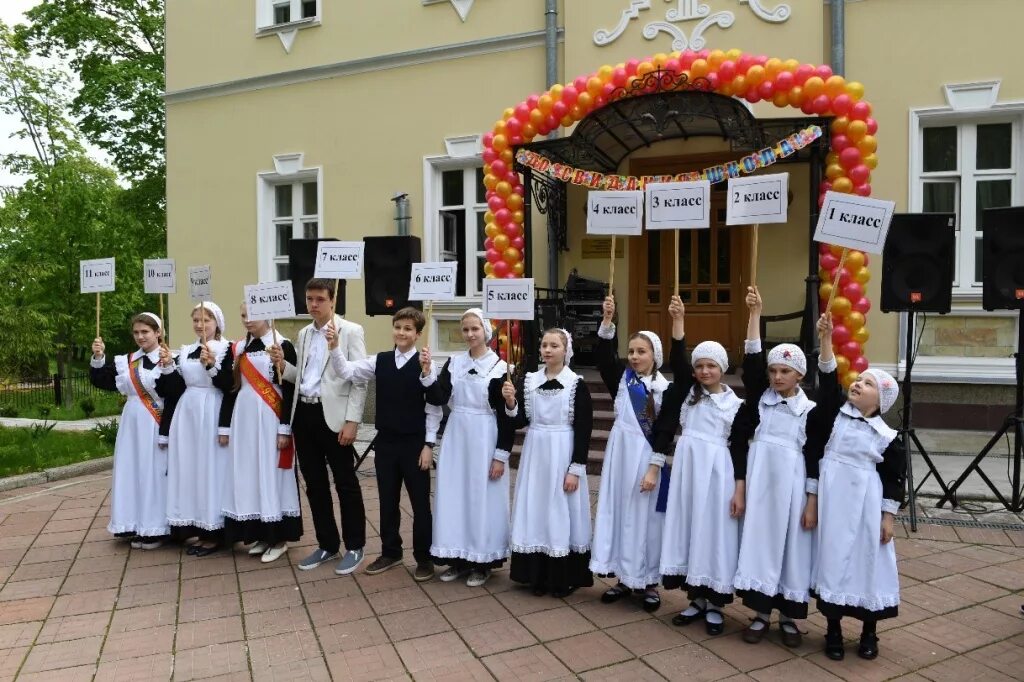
(551, 77)
(838, 36)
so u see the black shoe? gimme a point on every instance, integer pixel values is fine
(714, 628)
(834, 645)
(614, 594)
(381, 564)
(652, 601)
(206, 551)
(683, 619)
(539, 590)
(192, 549)
(562, 593)
(868, 646)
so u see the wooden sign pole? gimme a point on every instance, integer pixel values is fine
(426, 327)
(163, 320)
(611, 267)
(508, 348)
(97, 314)
(334, 301)
(675, 260)
(202, 319)
(753, 256)
(835, 282)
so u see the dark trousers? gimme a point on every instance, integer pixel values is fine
(396, 458)
(317, 449)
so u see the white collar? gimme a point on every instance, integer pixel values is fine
(408, 354)
(269, 339)
(566, 377)
(483, 364)
(153, 355)
(797, 403)
(876, 423)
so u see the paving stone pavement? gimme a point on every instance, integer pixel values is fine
(76, 604)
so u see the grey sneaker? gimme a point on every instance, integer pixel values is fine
(319, 556)
(477, 578)
(349, 562)
(381, 564)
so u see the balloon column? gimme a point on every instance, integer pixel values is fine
(785, 83)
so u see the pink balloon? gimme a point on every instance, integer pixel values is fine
(821, 200)
(802, 73)
(511, 228)
(487, 140)
(825, 250)
(489, 244)
(826, 185)
(489, 156)
(841, 104)
(844, 277)
(859, 174)
(727, 70)
(859, 364)
(828, 260)
(872, 125)
(493, 256)
(515, 139)
(752, 95)
(601, 100)
(510, 275)
(499, 167)
(853, 291)
(580, 84)
(863, 190)
(840, 334)
(821, 104)
(807, 107)
(514, 126)
(686, 58)
(824, 72)
(785, 81)
(512, 178)
(518, 242)
(744, 63)
(619, 77)
(850, 349)
(863, 305)
(631, 66)
(502, 216)
(570, 94)
(766, 89)
(551, 122)
(860, 111)
(849, 157)
(606, 90)
(559, 109)
(495, 203)
(840, 142)
(673, 66)
(532, 101)
(714, 80)
(522, 113)
(501, 268)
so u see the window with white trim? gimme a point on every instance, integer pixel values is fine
(965, 167)
(290, 207)
(277, 13)
(461, 200)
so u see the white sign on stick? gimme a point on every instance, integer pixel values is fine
(199, 284)
(269, 301)
(158, 276)
(433, 281)
(615, 213)
(509, 299)
(854, 221)
(339, 260)
(678, 205)
(96, 275)
(758, 199)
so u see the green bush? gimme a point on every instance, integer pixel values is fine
(8, 410)
(106, 431)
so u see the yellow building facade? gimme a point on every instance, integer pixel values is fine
(303, 118)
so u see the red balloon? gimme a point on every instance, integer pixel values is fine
(853, 291)
(570, 94)
(752, 95)
(744, 63)
(840, 334)
(828, 260)
(606, 90)
(714, 80)
(727, 70)
(559, 109)
(840, 142)
(514, 126)
(862, 305)
(551, 122)
(673, 65)
(503, 353)
(512, 178)
(502, 216)
(511, 228)
(826, 185)
(686, 58)
(495, 203)
(824, 72)
(766, 89)
(487, 140)
(860, 111)
(850, 349)
(619, 77)
(859, 174)
(501, 268)
(631, 66)
(499, 167)
(821, 104)
(785, 81)
(802, 73)
(821, 200)
(493, 257)
(580, 84)
(489, 155)
(844, 277)
(824, 249)
(859, 364)
(850, 157)
(841, 104)
(532, 101)
(863, 190)
(489, 244)
(872, 125)
(807, 107)
(518, 242)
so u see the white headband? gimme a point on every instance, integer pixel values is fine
(215, 310)
(155, 318)
(713, 351)
(659, 357)
(484, 322)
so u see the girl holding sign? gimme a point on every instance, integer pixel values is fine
(551, 513)
(706, 492)
(471, 528)
(628, 526)
(138, 507)
(261, 506)
(198, 466)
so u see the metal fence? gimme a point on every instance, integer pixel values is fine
(53, 390)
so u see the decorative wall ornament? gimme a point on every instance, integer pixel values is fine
(462, 7)
(687, 11)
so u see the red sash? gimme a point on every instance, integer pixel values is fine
(150, 403)
(265, 390)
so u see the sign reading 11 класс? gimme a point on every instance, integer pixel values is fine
(96, 275)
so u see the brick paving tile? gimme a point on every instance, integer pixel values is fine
(97, 564)
(144, 617)
(19, 634)
(280, 650)
(534, 663)
(352, 635)
(271, 598)
(390, 601)
(79, 673)
(206, 608)
(1009, 576)
(27, 589)
(909, 613)
(155, 667)
(10, 661)
(496, 637)
(983, 536)
(212, 565)
(50, 569)
(209, 586)
(953, 562)
(391, 579)
(169, 554)
(5, 573)
(211, 661)
(277, 622)
(214, 631)
(1009, 603)
(456, 590)
(11, 557)
(38, 555)
(647, 636)
(690, 662)
(926, 531)
(339, 610)
(63, 654)
(84, 602)
(983, 619)
(311, 670)
(65, 628)
(520, 601)
(432, 652)
(921, 570)
(329, 590)
(910, 651)
(363, 665)
(746, 657)
(588, 651)
(987, 555)
(20, 541)
(87, 582)
(145, 595)
(54, 539)
(279, 576)
(1006, 656)
(476, 611)
(138, 643)
(149, 575)
(933, 598)
(635, 671)
(92, 550)
(794, 668)
(610, 615)
(414, 623)
(854, 668)
(961, 669)
(556, 623)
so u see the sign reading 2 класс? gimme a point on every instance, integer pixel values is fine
(758, 199)
(678, 205)
(509, 299)
(619, 213)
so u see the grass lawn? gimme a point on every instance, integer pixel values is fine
(39, 405)
(24, 450)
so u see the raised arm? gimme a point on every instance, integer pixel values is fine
(606, 353)
(678, 361)
(755, 374)
(828, 399)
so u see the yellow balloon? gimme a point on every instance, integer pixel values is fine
(508, 113)
(644, 68)
(840, 304)
(773, 67)
(862, 275)
(492, 230)
(499, 128)
(716, 57)
(867, 145)
(500, 143)
(813, 87)
(857, 130)
(825, 288)
(518, 268)
(659, 60)
(514, 202)
(529, 132)
(605, 73)
(507, 156)
(836, 250)
(518, 216)
(556, 91)
(849, 378)
(871, 161)
(796, 96)
(734, 54)
(536, 115)
(739, 85)
(854, 260)
(544, 103)
(503, 189)
(839, 125)
(488, 269)
(842, 364)
(490, 181)
(822, 273)
(855, 90)
(780, 99)
(488, 216)
(699, 68)
(861, 336)
(835, 86)
(755, 75)
(585, 100)
(831, 159)
(842, 184)
(567, 121)
(791, 64)
(834, 171)
(854, 320)
(501, 242)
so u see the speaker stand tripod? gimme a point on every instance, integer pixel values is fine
(1014, 423)
(907, 434)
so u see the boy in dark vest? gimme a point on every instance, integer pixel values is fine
(406, 428)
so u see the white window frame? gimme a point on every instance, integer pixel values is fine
(433, 231)
(265, 23)
(288, 171)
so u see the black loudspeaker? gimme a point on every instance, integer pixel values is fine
(918, 263)
(1002, 258)
(387, 267)
(301, 265)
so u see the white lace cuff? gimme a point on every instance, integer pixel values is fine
(657, 459)
(223, 430)
(512, 411)
(752, 346)
(829, 366)
(429, 380)
(811, 486)
(501, 455)
(162, 440)
(98, 362)
(578, 469)
(284, 429)
(167, 369)
(606, 332)
(891, 506)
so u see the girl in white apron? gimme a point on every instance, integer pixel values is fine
(198, 467)
(627, 529)
(261, 502)
(861, 481)
(138, 505)
(551, 512)
(706, 492)
(777, 545)
(471, 524)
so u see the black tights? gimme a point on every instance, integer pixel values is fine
(835, 626)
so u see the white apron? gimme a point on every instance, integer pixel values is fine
(776, 553)
(852, 567)
(471, 512)
(701, 540)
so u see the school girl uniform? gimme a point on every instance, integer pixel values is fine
(198, 467)
(261, 500)
(858, 464)
(138, 503)
(471, 511)
(700, 544)
(628, 525)
(776, 553)
(551, 528)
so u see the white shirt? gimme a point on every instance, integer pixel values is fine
(316, 349)
(366, 369)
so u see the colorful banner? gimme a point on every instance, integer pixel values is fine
(714, 174)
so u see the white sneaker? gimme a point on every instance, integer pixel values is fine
(136, 543)
(477, 578)
(273, 554)
(452, 574)
(258, 548)
(151, 544)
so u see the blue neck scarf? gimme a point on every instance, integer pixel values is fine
(638, 400)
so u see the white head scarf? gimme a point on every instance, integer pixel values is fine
(214, 310)
(888, 389)
(659, 357)
(484, 322)
(713, 351)
(568, 345)
(155, 318)
(789, 355)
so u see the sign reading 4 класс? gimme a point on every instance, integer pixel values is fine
(615, 213)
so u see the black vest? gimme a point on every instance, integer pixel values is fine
(400, 397)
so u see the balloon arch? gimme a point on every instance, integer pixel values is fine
(812, 89)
